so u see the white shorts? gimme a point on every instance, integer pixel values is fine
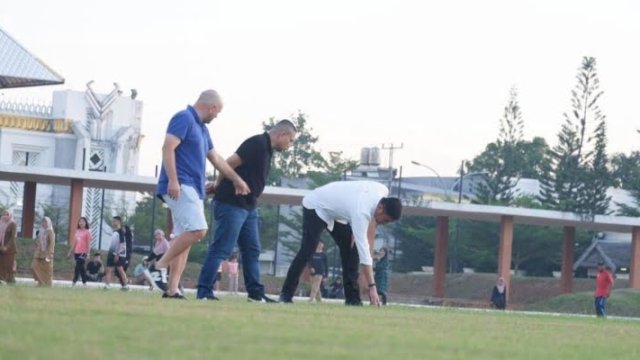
(187, 212)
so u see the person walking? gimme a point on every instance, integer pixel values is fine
(350, 211)
(382, 273)
(117, 256)
(181, 184)
(80, 250)
(604, 284)
(128, 239)
(8, 247)
(318, 271)
(42, 264)
(236, 215)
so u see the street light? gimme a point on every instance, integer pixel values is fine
(442, 183)
(452, 258)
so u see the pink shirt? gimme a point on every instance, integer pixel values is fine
(233, 268)
(83, 241)
(161, 247)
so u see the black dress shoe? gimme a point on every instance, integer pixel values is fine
(261, 298)
(174, 296)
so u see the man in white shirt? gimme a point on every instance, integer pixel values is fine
(350, 211)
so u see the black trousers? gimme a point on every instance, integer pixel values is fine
(312, 227)
(80, 271)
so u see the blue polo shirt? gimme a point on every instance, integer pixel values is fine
(191, 154)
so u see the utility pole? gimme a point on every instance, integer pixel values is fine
(391, 147)
(454, 261)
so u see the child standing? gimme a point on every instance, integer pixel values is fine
(80, 250)
(233, 274)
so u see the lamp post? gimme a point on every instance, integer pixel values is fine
(442, 183)
(452, 260)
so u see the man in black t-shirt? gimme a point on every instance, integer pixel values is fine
(128, 238)
(237, 216)
(94, 268)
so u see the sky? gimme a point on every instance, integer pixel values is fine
(433, 76)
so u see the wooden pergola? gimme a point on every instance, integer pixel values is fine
(442, 211)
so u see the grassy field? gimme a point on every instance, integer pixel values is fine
(61, 323)
(623, 302)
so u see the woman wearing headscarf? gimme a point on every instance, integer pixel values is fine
(42, 264)
(381, 273)
(499, 295)
(8, 248)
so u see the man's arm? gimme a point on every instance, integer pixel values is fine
(610, 285)
(233, 161)
(227, 171)
(364, 236)
(171, 142)
(371, 235)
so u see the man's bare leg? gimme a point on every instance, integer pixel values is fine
(179, 245)
(107, 277)
(176, 257)
(123, 276)
(177, 268)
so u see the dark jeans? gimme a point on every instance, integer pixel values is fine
(601, 303)
(233, 224)
(312, 227)
(80, 271)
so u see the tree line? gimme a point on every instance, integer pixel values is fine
(573, 174)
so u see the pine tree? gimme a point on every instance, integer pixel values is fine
(503, 170)
(578, 176)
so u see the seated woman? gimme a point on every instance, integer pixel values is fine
(151, 274)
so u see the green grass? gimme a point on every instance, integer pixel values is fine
(58, 323)
(623, 302)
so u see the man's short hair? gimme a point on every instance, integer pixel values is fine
(209, 97)
(284, 124)
(96, 254)
(392, 207)
(117, 218)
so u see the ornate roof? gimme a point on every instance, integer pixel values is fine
(20, 68)
(615, 254)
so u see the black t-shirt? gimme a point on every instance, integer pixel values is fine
(319, 263)
(93, 268)
(256, 154)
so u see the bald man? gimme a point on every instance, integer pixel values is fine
(187, 146)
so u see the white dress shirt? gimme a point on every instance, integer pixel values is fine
(348, 202)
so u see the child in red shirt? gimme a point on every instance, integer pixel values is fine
(604, 283)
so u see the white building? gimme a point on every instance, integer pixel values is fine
(80, 130)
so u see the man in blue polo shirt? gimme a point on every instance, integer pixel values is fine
(236, 215)
(182, 181)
